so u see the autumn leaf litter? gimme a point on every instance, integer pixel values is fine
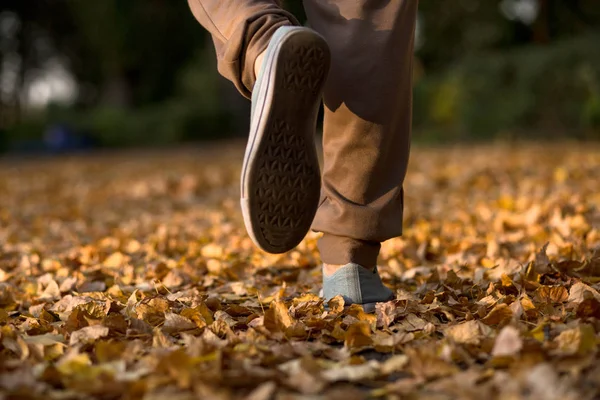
(131, 276)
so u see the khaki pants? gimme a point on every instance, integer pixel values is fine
(368, 107)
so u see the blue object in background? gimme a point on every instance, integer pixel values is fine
(57, 139)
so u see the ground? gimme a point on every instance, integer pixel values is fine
(130, 275)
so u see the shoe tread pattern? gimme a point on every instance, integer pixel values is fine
(286, 189)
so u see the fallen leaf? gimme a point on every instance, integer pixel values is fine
(175, 323)
(507, 343)
(500, 314)
(466, 332)
(552, 294)
(579, 340)
(496, 299)
(336, 304)
(386, 312)
(352, 373)
(277, 317)
(542, 262)
(578, 290)
(107, 351)
(358, 335)
(263, 392)
(89, 334)
(412, 323)
(394, 364)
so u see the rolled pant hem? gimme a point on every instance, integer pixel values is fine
(339, 250)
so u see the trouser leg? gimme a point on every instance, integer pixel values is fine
(241, 30)
(368, 115)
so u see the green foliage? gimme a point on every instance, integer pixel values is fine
(168, 123)
(147, 71)
(546, 89)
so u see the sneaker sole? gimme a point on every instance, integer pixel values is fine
(281, 179)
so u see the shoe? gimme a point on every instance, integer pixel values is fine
(357, 285)
(281, 179)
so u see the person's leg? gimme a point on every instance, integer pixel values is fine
(241, 31)
(280, 180)
(368, 107)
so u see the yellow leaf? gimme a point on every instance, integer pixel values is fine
(109, 351)
(3, 316)
(305, 298)
(358, 335)
(277, 317)
(336, 304)
(539, 332)
(73, 363)
(507, 281)
(560, 174)
(526, 303)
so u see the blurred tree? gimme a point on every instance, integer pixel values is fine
(121, 52)
(452, 30)
(134, 49)
(152, 54)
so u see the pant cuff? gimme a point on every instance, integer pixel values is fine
(339, 250)
(255, 48)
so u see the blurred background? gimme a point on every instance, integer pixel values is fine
(78, 74)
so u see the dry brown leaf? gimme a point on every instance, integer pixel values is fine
(508, 342)
(425, 363)
(304, 374)
(51, 292)
(500, 314)
(394, 364)
(175, 323)
(542, 262)
(580, 340)
(89, 334)
(107, 351)
(297, 331)
(466, 332)
(336, 304)
(412, 323)
(578, 290)
(386, 312)
(512, 283)
(551, 294)
(352, 373)
(263, 392)
(277, 317)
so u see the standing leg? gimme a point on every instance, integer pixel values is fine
(368, 107)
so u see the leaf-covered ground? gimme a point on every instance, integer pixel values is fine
(131, 276)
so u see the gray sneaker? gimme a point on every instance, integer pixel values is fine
(357, 285)
(281, 179)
